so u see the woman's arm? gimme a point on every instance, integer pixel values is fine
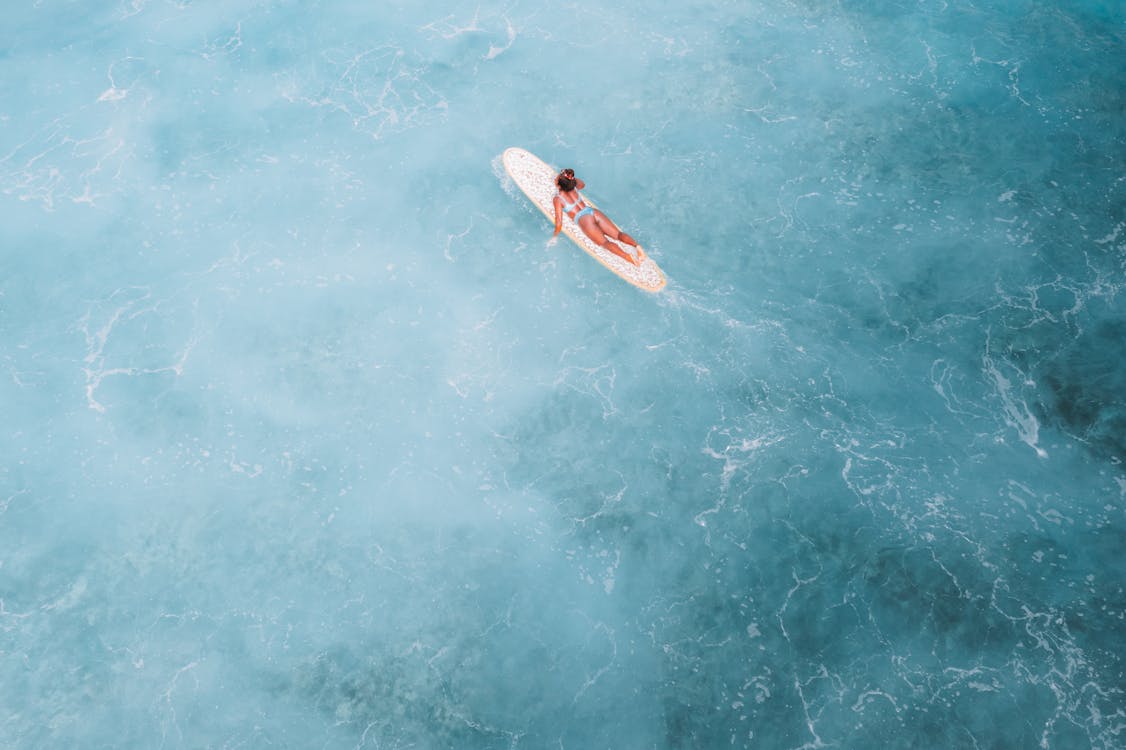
(579, 184)
(558, 214)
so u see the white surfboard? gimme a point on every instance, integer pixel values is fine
(537, 179)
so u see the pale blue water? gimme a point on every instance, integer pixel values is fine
(310, 442)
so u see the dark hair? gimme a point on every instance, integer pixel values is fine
(566, 180)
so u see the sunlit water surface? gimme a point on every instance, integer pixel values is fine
(311, 440)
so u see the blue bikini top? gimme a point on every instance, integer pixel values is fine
(568, 206)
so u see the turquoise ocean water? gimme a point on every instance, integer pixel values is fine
(310, 440)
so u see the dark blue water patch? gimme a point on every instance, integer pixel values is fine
(1075, 577)
(903, 626)
(491, 657)
(1085, 381)
(876, 590)
(391, 698)
(972, 115)
(930, 604)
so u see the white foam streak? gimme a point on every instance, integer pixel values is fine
(1013, 409)
(495, 51)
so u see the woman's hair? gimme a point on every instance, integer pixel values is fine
(566, 180)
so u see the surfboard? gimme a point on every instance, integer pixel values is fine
(537, 179)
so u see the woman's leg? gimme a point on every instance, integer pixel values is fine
(611, 229)
(592, 229)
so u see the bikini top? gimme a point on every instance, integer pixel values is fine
(568, 206)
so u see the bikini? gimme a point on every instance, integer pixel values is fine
(568, 206)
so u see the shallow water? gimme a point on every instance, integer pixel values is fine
(311, 440)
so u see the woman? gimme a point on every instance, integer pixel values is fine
(593, 222)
